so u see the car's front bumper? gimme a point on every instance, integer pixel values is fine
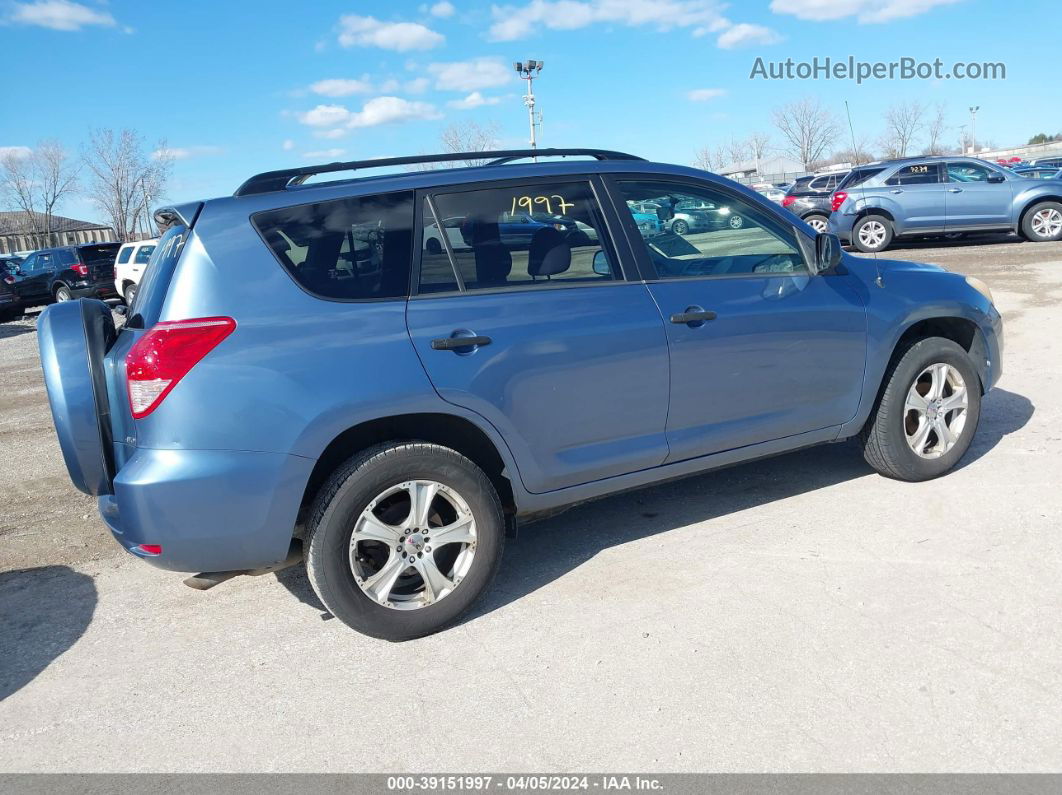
(209, 510)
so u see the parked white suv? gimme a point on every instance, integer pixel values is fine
(129, 267)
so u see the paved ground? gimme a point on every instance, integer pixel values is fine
(795, 614)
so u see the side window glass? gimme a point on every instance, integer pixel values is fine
(29, 265)
(518, 236)
(917, 174)
(728, 237)
(349, 249)
(124, 254)
(143, 255)
(967, 172)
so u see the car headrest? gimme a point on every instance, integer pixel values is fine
(550, 253)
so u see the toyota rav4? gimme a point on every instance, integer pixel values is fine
(312, 365)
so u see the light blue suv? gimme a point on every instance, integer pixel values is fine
(309, 366)
(880, 202)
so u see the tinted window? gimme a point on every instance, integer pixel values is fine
(143, 255)
(105, 252)
(348, 249)
(147, 305)
(916, 174)
(733, 238)
(124, 254)
(968, 172)
(858, 177)
(518, 236)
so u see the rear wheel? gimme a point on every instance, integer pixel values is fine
(680, 227)
(872, 233)
(816, 221)
(736, 222)
(403, 539)
(130, 294)
(1043, 222)
(62, 293)
(928, 412)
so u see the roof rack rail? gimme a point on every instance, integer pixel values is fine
(269, 181)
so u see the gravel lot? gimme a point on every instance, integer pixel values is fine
(797, 614)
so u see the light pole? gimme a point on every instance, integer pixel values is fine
(529, 70)
(962, 139)
(973, 127)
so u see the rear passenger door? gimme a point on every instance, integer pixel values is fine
(918, 189)
(566, 358)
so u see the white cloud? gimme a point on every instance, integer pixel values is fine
(324, 153)
(331, 135)
(385, 110)
(341, 87)
(356, 31)
(378, 110)
(705, 94)
(519, 21)
(59, 15)
(16, 152)
(471, 75)
(185, 152)
(442, 9)
(746, 35)
(867, 11)
(418, 85)
(288, 145)
(473, 100)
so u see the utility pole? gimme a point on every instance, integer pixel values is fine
(973, 127)
(529, 70)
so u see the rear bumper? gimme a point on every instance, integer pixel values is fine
(841, 225)
(209, 510)
(97, 290)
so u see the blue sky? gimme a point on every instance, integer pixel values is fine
(240, 87)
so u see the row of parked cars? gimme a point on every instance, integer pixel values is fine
(92, 270)
(872, 205)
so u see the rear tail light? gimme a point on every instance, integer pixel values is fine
(837, 200)
(149, 549)
(788, 200)
(9, 279)
(166, 354)
(80, 268)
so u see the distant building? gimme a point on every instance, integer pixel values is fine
(766, 166)
(16, 232)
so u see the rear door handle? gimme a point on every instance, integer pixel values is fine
(694, 316)
(954, 190)
(897, 190)
(457, 343)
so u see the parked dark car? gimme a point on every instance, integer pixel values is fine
(9, 303)
(809, 198)
(62, 274)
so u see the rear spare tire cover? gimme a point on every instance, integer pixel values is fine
(73, 337)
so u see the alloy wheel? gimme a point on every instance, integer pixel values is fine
(413, 544)
(1047, 223)
(817, 223)
(935, 410)
(872, 234)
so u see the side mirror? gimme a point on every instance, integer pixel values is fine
(827, 252)
(996, 178)
(601, 265)
(664, 213)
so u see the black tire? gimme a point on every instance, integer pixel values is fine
(62, 293)
(815, 219)
(884, 438)
(350, 490)
(680, 227)
(1027, 223)
(866, 221)
(433, 246)
(130, 294)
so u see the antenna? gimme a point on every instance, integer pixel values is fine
(862, 190)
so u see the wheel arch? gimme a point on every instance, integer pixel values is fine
(863, 212)
(458, 433)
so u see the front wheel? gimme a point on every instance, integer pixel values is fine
(872, 233)
(736, 222)
(403, 539)
(1043, 222)
(130, 294)
(680, 227)
(928, 412)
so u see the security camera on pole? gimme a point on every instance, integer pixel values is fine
(528, 71)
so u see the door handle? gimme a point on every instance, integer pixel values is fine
(897, 190)
(954, 190)
(457, 343)
(694, 316)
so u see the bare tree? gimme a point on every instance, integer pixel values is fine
(125, 177)
(736, 152)
(903, 122)
(470, 137)
(935, 129)
(758, 144)
(36, 183)
(807, 128)
(709, 159)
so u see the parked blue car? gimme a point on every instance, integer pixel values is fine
(880, 202)
(395, 412)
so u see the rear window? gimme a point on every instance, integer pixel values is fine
(105, 252)
(858, 177)
(353, 249)
(147, 306)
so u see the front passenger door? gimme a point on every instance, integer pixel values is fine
(761, 349)
(972, 201)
